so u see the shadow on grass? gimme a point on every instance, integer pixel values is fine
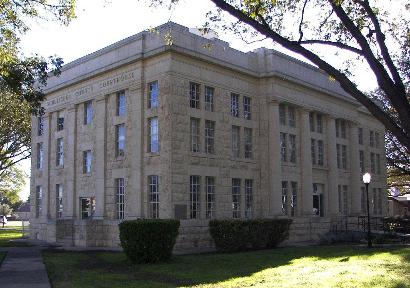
(202, 269)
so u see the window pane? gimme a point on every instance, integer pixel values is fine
(248, 143)
(235, 105)
(194, 196)
(153, 94)
(121, 104)
(209, 137)
(247, 108)
(235, 141)
(195, 137)
(120, 140)
(236, 198)
(153, 137)
(194, 93)
(248, 198)
(210, 197)
(153, 196)
(209, 98)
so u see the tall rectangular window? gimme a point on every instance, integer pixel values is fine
(236, 198)
(153, 136)
(235, 104)
(120, 198)
(293, 200)
(60, 152)
(248, 198)
(284, 197)
(194, 94)
(87, 207)
(361, 160)
(342, 195)
(209, 137)
(153, 94)
(283, 147)
(292, 116)
(235, 142)
(320, 152)
(40, 155)
(248, 142)
(318, 202)
(377, 139)
(59, 201)
(195, 138)
(247, 108)
(292, 148)
(210, 197)
(313, 150)
(282, 114)
(312, 121)
(338, 156)
(88, 112)
(344, 157)
(372, 162)
(371, 138)
(380, 201)
(337, 126)
(153, 190)
(39, 197)
(121, 110)
(343, 129)
(60, 122)
(194, 190)
(378, 163)
(120, 140)
(209, 98)
(40, 125)
(319, 123)
(360, 135)
(87, 159)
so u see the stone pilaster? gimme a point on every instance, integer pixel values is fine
(133, 193)
(69, 191)
(45, 181)
(332, 176)
(355, 192)
(306, 164)
(100, 156)
(275, 169)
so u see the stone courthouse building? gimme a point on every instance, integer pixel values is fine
(169, 124)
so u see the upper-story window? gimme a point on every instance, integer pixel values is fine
(235, 104)
(377, 139)
(40, 125)
(360, 135)
(235, 138)
(248, 142)
(247, 108)
(153, 94)
(316, 122)
(209, 98)
(292, 116)
(195, 136)
(119, 140)
(59, 201)
(88, 112)
(40, 156)
(194, 94)
(87, 158)
(121, 103)
(371, 138)
(340, 128)
(282, 114)
(60, 152)
(153, 136)
(60, 122)
(209, 137)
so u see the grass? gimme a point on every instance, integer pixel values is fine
(322, 266)
(9, 233)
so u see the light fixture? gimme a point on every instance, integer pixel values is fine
(367, 178)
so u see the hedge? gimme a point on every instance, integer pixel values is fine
(148, 240)
(239, 235)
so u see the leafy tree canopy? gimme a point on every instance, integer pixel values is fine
(11, 183)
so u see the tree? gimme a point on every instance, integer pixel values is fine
(359, 31)
(11, 183)
(21, 77)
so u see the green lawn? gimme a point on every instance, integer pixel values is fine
(8, 234)
(321, 266)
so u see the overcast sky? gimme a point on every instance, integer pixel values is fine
(100, 23)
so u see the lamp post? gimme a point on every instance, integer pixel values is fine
(366, 180)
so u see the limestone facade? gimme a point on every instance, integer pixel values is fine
(130, 132)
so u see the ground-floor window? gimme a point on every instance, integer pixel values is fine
(87, 207)
(343, 199)
(153, 190)
(59, 201)
(120, 197)
(318, 202)
(194, 188)
(293, 201)
(236, 198)
(248, 198)
(39, 197)
(210, 196)
(284, 197)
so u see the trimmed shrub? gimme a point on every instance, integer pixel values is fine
(148, 240)
(239, 235)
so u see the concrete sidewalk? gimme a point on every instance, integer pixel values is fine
(23, 267)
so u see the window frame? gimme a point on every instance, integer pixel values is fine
(153, 135)
(194, 196)
(209, 137)
(120, 140)
(236, 198)
(247, 113)
(234, 104)
(153, 196)
(88, 112)
(121, 104)
(153, 101)
(120, 198)
(209, 98)
(194, 95)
